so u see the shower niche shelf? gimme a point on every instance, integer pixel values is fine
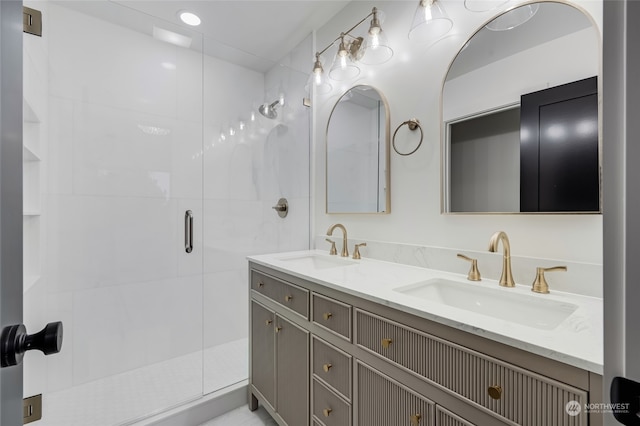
(32, 195)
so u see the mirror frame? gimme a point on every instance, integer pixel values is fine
(444, 126)
(387, 160)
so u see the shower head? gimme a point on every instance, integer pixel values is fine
(269, 110)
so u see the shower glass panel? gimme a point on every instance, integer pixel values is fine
(131, 133)
(250, 161)
(122, 137)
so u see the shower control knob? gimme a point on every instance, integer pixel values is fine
(15, 341)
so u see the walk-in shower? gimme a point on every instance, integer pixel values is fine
(133, 133)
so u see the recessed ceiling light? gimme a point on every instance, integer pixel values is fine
(189, 18)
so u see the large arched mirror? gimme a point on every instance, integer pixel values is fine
(520, 115)
(358, 153)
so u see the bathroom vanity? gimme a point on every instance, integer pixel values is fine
(342, 342)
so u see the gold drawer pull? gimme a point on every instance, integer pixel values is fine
(386, 343)
(327, 315)
(327, 411)
(268, 322)
(495, 391)
(415, 419)
(278, 329)
(288, 298)
(327, 367)
(260, 284)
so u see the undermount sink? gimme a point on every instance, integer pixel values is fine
(501, 303)
(315, 261)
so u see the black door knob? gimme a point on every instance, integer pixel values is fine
(15, 341)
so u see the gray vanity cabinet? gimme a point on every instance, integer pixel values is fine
(263, 359)
(322, 357)
(292, 372)
(279, 364)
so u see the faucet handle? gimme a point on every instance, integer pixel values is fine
(474, 273)
(356, 250)
(540, 284)
(333, 250)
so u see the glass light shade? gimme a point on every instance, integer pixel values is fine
(321, 88)
(483, 5)
(513, 18)
(343, 67)
(378, 50)
(430, 22)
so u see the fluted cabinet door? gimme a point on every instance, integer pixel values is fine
(384, 402)
(263, 351)
(292, 372)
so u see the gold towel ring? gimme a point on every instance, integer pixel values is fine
(413, 124)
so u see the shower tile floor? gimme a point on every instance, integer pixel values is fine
(122, 398)
(243, 417)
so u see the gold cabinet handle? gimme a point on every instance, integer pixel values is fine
(415, 419)
(495, 391)
(268, 322)
(278, 329)
(327, 315)
(386, 343)
(288, 298)
(327, 412)
(327, 367)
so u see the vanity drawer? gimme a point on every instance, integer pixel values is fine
(332, 366)
(446, 418)
(383, 401)
(502, 389)
(286, 294)
(331, 314)
(329, 408)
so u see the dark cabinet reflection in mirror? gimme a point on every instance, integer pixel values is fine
(554, 134)
(559, 170)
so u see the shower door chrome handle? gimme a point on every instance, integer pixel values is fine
(188, 231)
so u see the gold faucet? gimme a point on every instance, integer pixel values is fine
(345, 249)
(506, 279)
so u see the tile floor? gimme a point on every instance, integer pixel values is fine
(153, 387)
(243, 417)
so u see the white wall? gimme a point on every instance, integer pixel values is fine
(412, 82)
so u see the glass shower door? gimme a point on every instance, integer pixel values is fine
(250, 162)
(121, 142)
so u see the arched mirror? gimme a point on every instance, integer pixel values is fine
(358, 153)
(520, 115)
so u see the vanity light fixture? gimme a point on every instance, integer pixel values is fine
(189, 18)
(352, 49)
(430, 22)
(378, 50)
(343, 67)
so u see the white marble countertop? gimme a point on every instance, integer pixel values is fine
(577, 341)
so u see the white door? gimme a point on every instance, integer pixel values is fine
(621, 174)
